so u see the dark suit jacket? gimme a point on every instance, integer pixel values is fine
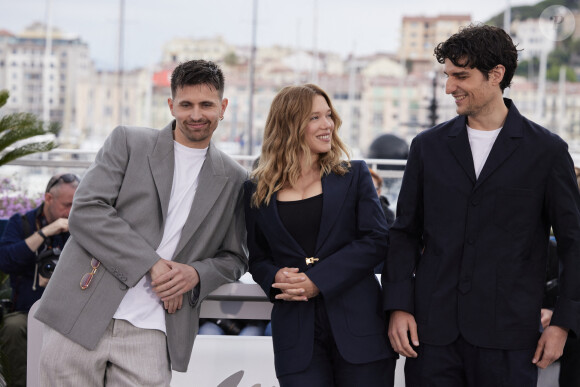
(468, 256)
(352, 240)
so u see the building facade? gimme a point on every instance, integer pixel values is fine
(22, 64)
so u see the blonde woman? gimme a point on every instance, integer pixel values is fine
(315, 233)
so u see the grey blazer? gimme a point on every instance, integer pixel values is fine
(118, 217)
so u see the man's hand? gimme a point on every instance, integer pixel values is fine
(179, 279)
(401, 324)
(295, 286)
(34, 241)
(42, 281)
(546, 317)
(173, 305)
(550, 346)
(58, 226)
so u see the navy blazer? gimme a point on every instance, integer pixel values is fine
(352, 240)
(468, 256)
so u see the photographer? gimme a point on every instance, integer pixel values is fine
(29, 250)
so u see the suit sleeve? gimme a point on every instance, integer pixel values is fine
(95, 223)
(358, 257)
(231, 259)
(563, 206)
(261, 265)
(15, 255)
(405, 238)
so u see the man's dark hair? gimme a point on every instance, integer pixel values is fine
(197, 72)
(482, 47)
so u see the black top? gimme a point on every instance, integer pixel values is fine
(302, 220)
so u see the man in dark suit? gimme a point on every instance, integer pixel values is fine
(464, 276)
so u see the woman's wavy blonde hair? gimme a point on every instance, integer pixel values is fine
(284, 143)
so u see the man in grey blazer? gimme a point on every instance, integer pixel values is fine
(157, 224)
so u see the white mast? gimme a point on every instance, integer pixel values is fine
(315, 58)
(120, 47)
(47, 69)
(252, 71)
(507, 20)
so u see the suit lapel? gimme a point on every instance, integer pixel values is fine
(334, 190)
(211, 181)
(274, 222)
(162, 164)
(459, 144)
(506, 143)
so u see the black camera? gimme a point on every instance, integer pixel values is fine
(230, 327)
(47, 261)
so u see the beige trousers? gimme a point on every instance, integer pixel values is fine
(125, 356)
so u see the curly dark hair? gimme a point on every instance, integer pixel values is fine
(197, 72)
(482, 47)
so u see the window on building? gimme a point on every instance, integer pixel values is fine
(378, 119)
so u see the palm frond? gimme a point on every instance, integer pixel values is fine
(16, 127)
(27, 149)
(18, 121)
(4, 94)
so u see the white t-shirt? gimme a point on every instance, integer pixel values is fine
(141, 306)
(481, 142)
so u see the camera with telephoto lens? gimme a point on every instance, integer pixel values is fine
(47, 261)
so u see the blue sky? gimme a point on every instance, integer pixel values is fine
(344, 26)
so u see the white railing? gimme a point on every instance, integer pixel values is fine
(74, 158)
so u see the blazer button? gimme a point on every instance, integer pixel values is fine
(123, 287)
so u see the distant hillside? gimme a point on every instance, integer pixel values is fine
(524, 12)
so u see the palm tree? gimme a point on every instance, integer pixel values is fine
(16, 127)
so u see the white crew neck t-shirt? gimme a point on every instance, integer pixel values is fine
(141, 306)
(481, 142)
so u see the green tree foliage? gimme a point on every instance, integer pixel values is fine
(528, 67)
(560, 56)
(231, 59)
(524, 12)
(16, 127)
(553, 74)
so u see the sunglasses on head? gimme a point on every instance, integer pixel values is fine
(65, 178)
